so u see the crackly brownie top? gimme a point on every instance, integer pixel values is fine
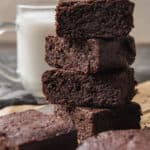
(28, 126)
(119, 140)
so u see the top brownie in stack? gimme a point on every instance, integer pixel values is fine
(94, 18)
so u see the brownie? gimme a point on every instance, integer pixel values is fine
(90, 56)
(106, 90)
(91, 121)
(33, 130)
(94, 19)
(2, 142)
(119, 140)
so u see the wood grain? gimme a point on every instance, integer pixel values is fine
(143, 98)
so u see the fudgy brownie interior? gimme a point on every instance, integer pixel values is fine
(90, 56)
(100, 90)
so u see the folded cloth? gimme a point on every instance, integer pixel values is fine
(15, 94)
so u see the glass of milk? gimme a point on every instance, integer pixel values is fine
(33, 24)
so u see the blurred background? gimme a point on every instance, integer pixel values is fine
(142, 18)
(8, 57)
(141, 32)
(8, 14)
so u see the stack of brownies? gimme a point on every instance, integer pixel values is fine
(92, 53)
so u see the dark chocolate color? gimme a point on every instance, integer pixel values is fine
(90, 121)
(100, 90)
(94, 18)
(2, 141)
(90, 56)
(119, 140)
(33, 130)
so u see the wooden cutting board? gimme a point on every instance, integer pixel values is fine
(143, 98)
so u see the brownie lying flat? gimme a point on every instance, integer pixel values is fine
(90, 56)
(99, 90)
(119, 140)
(94, 19)
(90, 121)
(33, 130)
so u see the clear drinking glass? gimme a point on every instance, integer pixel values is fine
(32, 25)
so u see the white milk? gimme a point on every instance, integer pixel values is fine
(32, 28)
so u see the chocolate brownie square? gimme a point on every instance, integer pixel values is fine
(90, 56)
(107, 90)
(119, 140)
(91, 121)
(33, 130)
(94, 19)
